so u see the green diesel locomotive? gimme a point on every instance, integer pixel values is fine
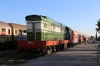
(44, 28)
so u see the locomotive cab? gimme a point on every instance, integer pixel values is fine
(68, 34)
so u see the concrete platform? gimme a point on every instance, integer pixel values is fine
(80, 55)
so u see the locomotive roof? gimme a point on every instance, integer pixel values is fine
(49, 19)
(18, 26)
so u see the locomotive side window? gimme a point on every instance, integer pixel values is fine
(3, 29)
(8, 31)
(45, 25)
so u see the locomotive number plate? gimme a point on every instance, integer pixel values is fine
(30, 42)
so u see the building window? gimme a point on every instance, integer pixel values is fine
(3, 30)
(8, 31)
(15, 31)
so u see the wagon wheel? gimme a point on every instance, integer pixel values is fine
(53, 49)
(42, 53)
(65, 46)
(48, 50)
(57, 48)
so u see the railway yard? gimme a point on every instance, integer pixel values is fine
(45, 42)
(80, 55)
(84, 55)
(32, 36)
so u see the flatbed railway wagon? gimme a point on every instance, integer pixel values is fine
(44, 35)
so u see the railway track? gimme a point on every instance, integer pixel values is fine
(4, 51)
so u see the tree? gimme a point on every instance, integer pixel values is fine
(92, 37)
(98, 28)
(98, 24)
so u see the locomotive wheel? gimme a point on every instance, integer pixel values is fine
(53, 49)
(57, 48)
(61, 46)
(42, 53)
(70, 45)
(48, 50)
(65, 46)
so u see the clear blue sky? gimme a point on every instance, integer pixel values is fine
(80, 15)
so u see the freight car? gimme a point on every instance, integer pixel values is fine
(8, 33)
(45, 36)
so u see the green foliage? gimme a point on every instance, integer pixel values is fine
(97, 29)
(92, 37)
(98, 26)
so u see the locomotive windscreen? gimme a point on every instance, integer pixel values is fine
(67, 29)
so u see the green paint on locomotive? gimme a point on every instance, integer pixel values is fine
(44, 36)
(49, 35)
